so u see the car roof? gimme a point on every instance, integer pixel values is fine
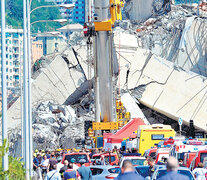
(180, 168)
(82, 153)
(133, 157)
(103, 166)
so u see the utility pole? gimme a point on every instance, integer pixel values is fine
(25, 84)
(4, 85)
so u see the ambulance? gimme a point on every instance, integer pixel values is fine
(149, 135)
(181, 147)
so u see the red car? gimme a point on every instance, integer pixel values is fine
(111, 158)
(77, 157)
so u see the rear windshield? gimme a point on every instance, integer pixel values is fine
(96, 171)
(96, 157)
(203, 156)
(115, 170)
(143, 171)
(184, 172)
(77, 157)
(137, 162)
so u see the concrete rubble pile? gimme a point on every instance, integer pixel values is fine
(178, 36)
(157, 58)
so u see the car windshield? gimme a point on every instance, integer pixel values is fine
(184, 172)
(77, 157)
(203, 155)
(106, 158)
(137, 162)
(97, 157)
(152, 154)
(143, 171)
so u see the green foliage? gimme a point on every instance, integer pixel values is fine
(14, 15)
(16, 170)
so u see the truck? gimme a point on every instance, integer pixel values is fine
(149, 135)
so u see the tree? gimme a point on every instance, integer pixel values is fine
(14, 15)
(16, 170)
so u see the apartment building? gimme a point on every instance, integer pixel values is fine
(51, 42)
(37, 50)
(14, 56)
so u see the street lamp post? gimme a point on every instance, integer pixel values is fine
(3, 82)
(27, 132)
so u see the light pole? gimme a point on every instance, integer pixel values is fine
(4, 86)
(28, 147)
(55, 20)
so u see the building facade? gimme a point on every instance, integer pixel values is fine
(37, 50)
(75, 15)
(14, 56)
(51, 42)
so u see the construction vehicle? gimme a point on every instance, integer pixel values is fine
(110, 115)
(149, 135)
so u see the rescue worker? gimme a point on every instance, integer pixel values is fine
(200, 172)
(128, 172)
(151, 163)
(84, 172)
(64, 168)
(162, 161)
(172, 167)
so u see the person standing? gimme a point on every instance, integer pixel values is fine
(70, 173)
(128, 172)
(151, 163)
(59, 164)
(172, 167)
(84, 172)
(44, 166)
(52, 161)
(53, 174)
(75, 167)
(200, 172)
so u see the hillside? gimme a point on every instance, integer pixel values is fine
(14, 15)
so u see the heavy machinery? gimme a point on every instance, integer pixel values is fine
(110, 114)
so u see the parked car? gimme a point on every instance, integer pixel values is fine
(136, 160)
(111, 158)
(144, 170)
(104, 172)
(159, 172)
(77, 157)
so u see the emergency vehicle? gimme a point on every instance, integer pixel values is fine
(149, 135)
(162, 152)
(181, 147)
(135, 158)
(188, 157)
(201, 156)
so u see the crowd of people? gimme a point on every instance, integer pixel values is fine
(49, 166)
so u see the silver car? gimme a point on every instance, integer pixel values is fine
(104, 172)
(159, 172)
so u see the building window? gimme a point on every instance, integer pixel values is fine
(7, 56)
(10, 57)
(7, 77)
(6, 62)
(10, 77)
(10, 63)
(10, 84)
(6, 69)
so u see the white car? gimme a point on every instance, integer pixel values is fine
(136, 160)
(104, 172)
